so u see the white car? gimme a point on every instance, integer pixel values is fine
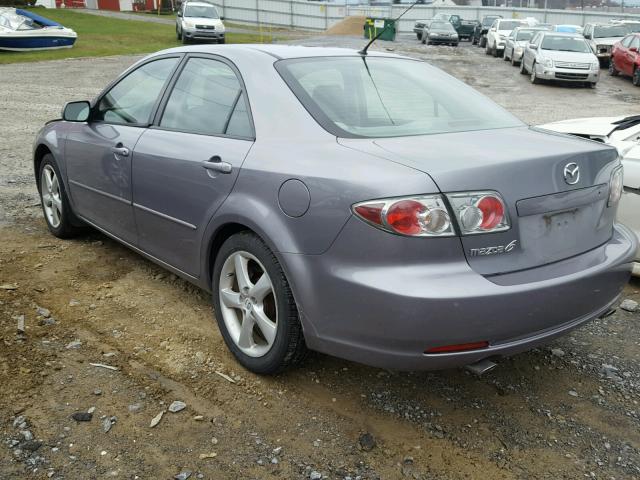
(199, 21)
(564, 57)
(624, 134)
(601, 37)
(498, 33)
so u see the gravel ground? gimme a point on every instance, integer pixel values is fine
(566, 411)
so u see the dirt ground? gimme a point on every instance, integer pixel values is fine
(567, 411)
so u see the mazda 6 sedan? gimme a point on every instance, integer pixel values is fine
(367, 206)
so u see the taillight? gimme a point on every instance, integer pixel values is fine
(616, 185)
(479, 212)
(419, 216)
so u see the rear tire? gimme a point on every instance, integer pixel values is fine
(61, 221)
(276, 313)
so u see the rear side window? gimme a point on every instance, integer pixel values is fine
(132, 99)
(207, 99)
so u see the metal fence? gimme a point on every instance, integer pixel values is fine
(320, 15)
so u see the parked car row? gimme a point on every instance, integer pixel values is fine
(566, 53)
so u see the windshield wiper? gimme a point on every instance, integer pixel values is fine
(625, 123)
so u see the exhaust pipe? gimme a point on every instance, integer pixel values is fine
(480, 367)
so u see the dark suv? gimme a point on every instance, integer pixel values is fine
(479, 36)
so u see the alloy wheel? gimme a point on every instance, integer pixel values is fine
(248, 304)
(51, 196)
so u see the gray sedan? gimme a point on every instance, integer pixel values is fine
(368, 206)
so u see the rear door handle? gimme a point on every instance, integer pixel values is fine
(216, 164)
(120, 150)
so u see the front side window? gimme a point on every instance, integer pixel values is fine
(132, 99)
(388, 97)
(627, 41)
(565, 44)
(207, 99)
(635, 43)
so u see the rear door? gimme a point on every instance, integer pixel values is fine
(186, 164)
(98, 153)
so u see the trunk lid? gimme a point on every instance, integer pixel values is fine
(550, 219)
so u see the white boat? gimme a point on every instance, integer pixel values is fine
(22, 30)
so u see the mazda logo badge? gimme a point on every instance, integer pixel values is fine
(571, 173)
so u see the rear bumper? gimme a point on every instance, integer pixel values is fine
(386, 314)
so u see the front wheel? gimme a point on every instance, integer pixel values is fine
(636, 77)
(613, 71)
(523, 69)
(61, 221)
(255, 309)
(178, 34)
(419, 35)
(534, 77)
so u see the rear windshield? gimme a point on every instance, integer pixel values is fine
(508, 25)
(565, 44)
(610, 31)
(388, 97)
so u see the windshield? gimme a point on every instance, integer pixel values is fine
(388, 97)
(565, 44)
(610, 31)
(442, 26)
(508, 25)
(487, 21)
(524, 35)
(201, 11)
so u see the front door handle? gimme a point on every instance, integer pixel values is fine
(119, 149)
(216, 164)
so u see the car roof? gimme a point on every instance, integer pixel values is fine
(277, 51)
(561, 34)
(199, 4)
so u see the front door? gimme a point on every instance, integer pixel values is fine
(186, 164)
(99, 153)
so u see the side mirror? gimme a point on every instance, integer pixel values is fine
(633, 49)
(493, 29)
(533, 46)
(179, 13)
(76, 111)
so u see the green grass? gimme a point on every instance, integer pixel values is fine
(102, 36)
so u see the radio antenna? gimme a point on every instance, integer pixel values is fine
(364, 50)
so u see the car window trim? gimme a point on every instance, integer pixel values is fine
(155, 124)
(120, 78)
